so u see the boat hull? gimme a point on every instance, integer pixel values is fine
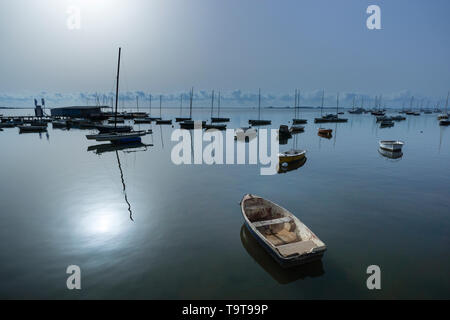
(259, 122)
(285, 263)
(163, 121)
(291, 158)
(217, 120)
(394, 146)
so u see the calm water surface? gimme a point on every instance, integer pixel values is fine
(62, 204)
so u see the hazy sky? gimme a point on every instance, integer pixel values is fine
(171, 45)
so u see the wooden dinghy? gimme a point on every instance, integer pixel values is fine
(325, 131)
(283, 235)
(291, 156)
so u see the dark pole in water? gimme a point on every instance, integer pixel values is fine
(117, 89)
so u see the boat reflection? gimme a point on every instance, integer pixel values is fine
(124, 187)
(291, 166)
(281, 275)
(390, 154)
(111, 147)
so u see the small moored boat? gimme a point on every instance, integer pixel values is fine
(283, 235)
(291, 156)
(323, 131)
(391, 145)
(30, 128)
(118, 137)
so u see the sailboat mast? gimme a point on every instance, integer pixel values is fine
(190, 104)
(181, 104)
(160, 106)
(323, 96)
(218, 106)
(295, 104)
(137, 103)
(150, 106)
(446, 103)
(337, 104)
(117, 88)
(212, 104)
(259, 105)
(298, 102)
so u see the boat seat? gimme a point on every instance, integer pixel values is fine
(300, 248)
(258, 224)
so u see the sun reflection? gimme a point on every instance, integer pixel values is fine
(104, 223)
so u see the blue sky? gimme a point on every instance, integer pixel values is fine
(235, 46)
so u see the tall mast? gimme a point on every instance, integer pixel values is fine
(337, 104)
(298, 102)
(181, 104)
(295, 104)
(117, 88)
(218, 106)
(259, 104)
(160, 105)
(446, 103)
(323, 96)
(190, 104)
(150, 106)
(137, 103)
(212, 103)
(353, 103)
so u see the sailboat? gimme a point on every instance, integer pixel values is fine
(218, 118)
(141, 117)
(190, 124)
(161, 121)
(297, 109)
(357, 110)
(150, 110)
(444, 116)
(211, 125)
(331, 117)
(180, 119)
(116, 135)
(259, 122)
